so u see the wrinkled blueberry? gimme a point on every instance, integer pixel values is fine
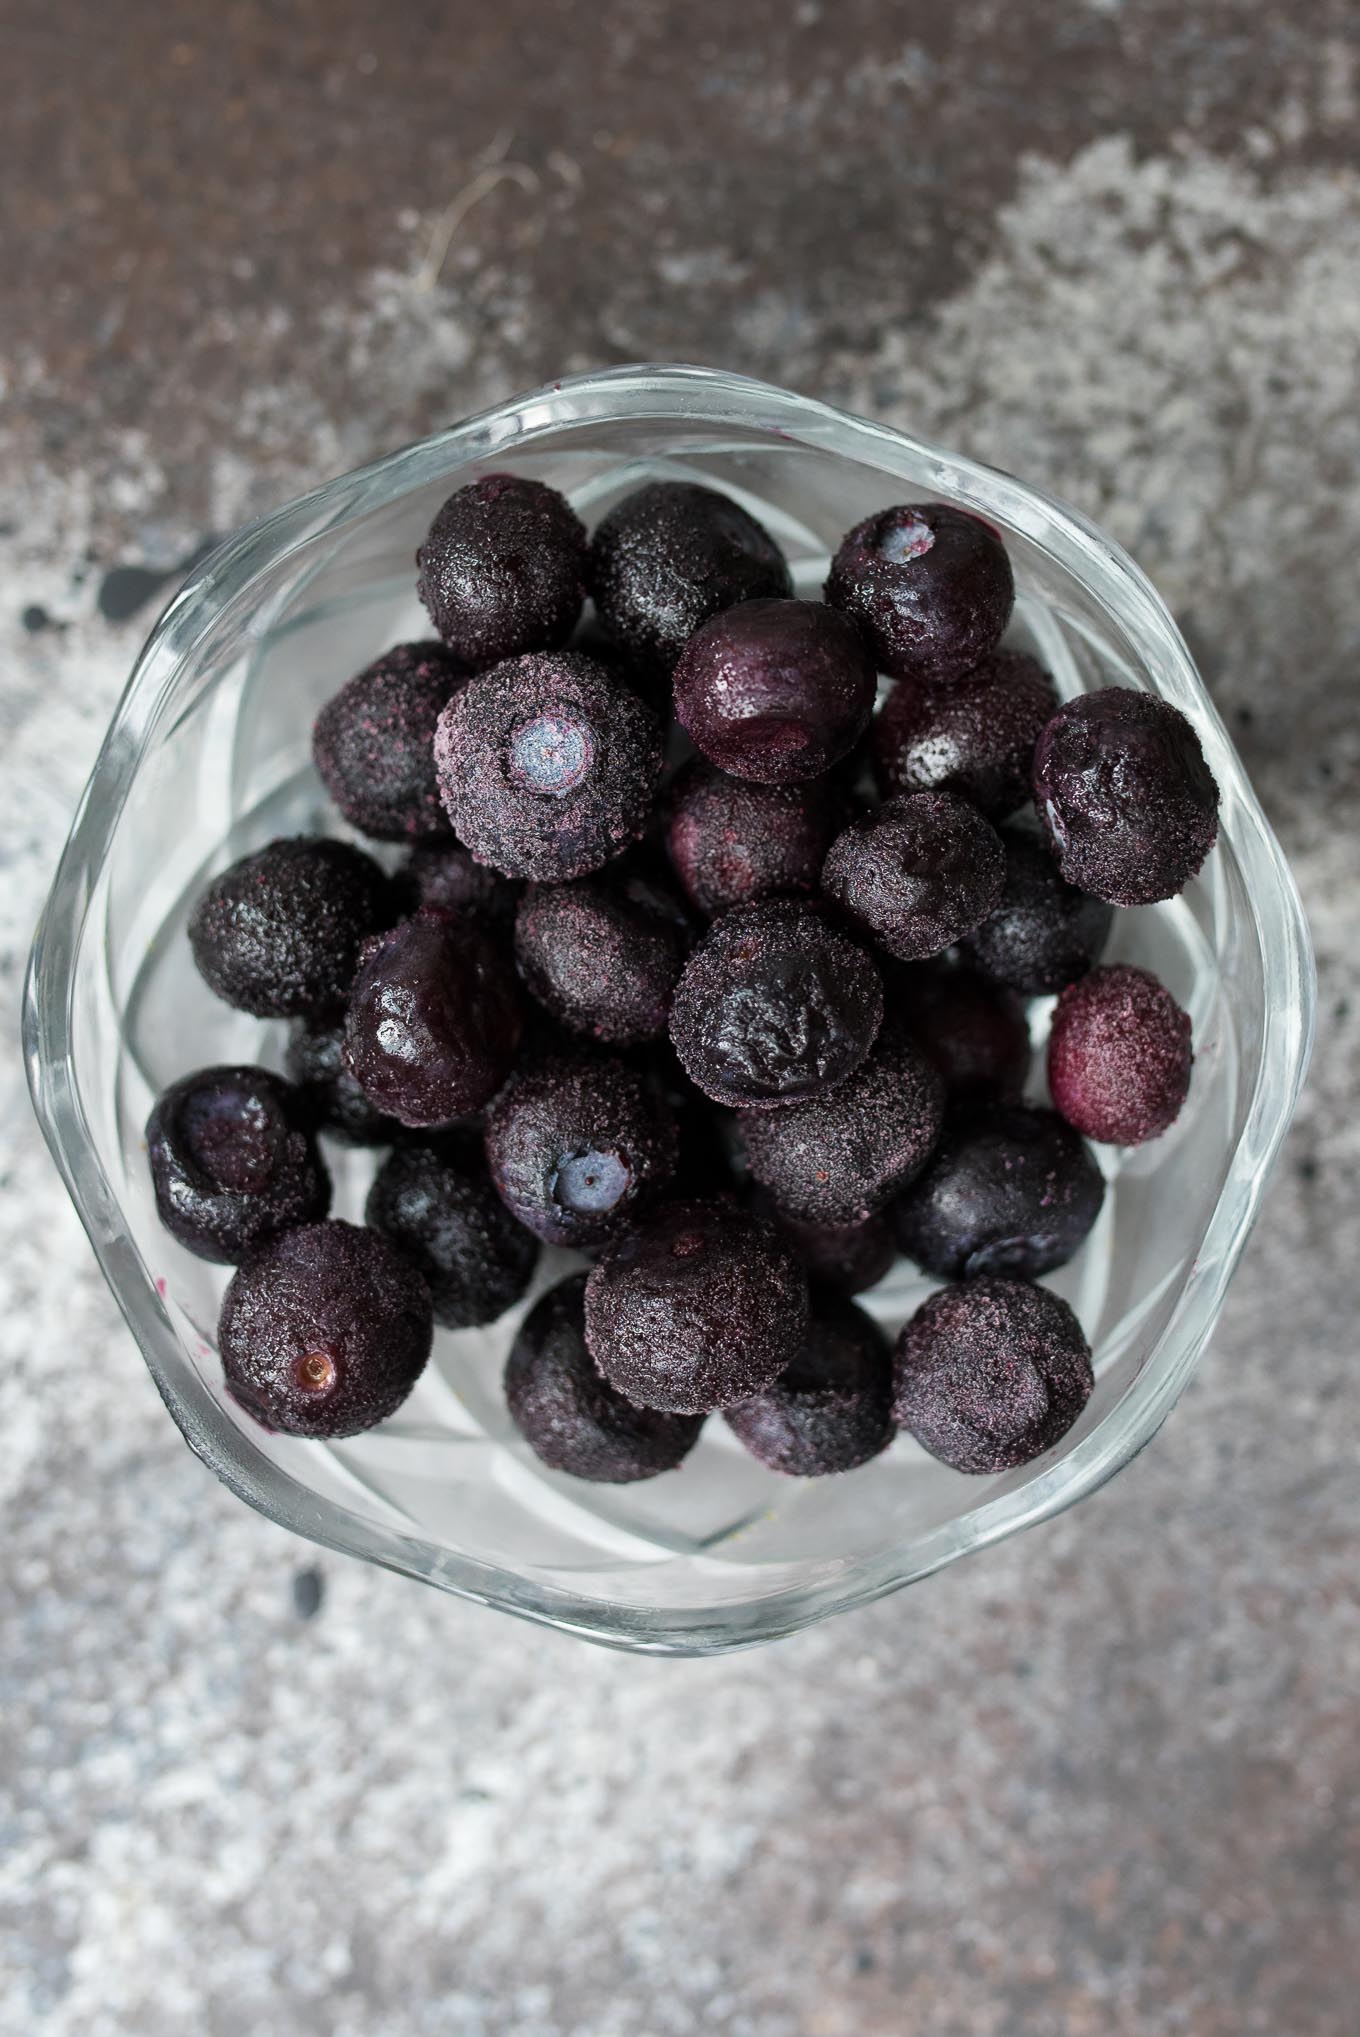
(374, 743)
(975, 736)
(233, 1161)
(1012, 1191)
(1119, 1056)
(502, 570)
(434, 1201)
(832, 1408)
(1122, 788)
(279, 933)
(930, 587)
(732, 842)
(603, 955)
(324, 1331)
(577, 1146)
(1043, 933)
(776, 691)
(917, 874)
(572, 1418)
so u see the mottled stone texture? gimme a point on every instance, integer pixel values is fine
(1101, 1782)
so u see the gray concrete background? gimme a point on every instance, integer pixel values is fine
(1104, 1779)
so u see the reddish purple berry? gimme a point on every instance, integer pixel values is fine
(775, 1003)
(572, 1418)
(695, 1308)
(991, 1374)
(732, 842)
(1044, 933)
(975, 736)
(918, 874)
(604, 954)
(838, 1158)
(832, 1408)
(973, 1031)
(1119, 1056)
(433, 1200)
(502, 570)
(548, 766)
(577, 1147)
(324, 1331)
(434, 1021)
(279, 933)
(1129, 803)
(373, 743)
(929, 586)
(444, 874)
(233, 1161)
(333, 1100)
(776, 691)
(671, 555)
(1011, 1191)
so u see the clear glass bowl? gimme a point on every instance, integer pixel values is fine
(208, 756)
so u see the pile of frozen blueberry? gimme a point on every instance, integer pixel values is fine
(698, 965)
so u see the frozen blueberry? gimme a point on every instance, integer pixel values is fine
(233, 1161)
(972, 1030)
(991, 1374)
(836, 1159)
(1011, 1190)
(434, 1021)
(279, 933)
(930, 587)
(444, 874)
(775, 1003)
(775, 690)
(374, 743)
(603, 954)
(333, 1100)
(502, 570)
(848, 1257)
(695, 1308)
(832, 1408)
(434, 1201)
(324, 1331)
(547, 765)
(671, 555)
(1044, 933)
(975, 737)
(918, 874)
(731, 841)
(1119, 1056)
(577, 1146)
(1129, 803)
(572, 1418)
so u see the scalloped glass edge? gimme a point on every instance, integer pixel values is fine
(710, 397)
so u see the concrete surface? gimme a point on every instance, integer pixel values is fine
(1104, 1780)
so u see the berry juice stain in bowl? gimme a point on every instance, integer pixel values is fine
(581, 1028)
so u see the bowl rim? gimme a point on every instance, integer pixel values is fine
(710, 397)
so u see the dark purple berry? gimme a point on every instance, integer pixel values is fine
(374, 743)
(1129, 803)
(1011, 1191)
(1044, 933)
(671, 555)
(832, 1408)
(930, 587)
(917, 874)
(577, 1147)
(502, 570)
(233, 1161)
(991, 1374)
(732, 842)
(434, 1021)
(695, 1308)
(324, 1331)
(836, 1159)
(975, 736)
(603, 954)
(775, 690)
(444, 874)
(775, 1003)
(333, 1100)
(572, 1418)
(973, 1031)
(279, 933)
(1119, 1056)
(434, 1201)
(548, 766)
(848, 1257)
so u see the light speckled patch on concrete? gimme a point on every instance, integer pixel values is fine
(1104, 1780)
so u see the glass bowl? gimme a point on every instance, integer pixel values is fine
(208, 756)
